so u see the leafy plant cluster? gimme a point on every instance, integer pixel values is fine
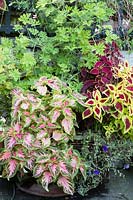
(113, 106)
(61, 41)
(103, 156)
(104, 71)
(42, 124)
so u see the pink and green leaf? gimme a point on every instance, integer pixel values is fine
(62, 168)
(55, 116)
(10, 142)
(68, 112)
(5, 156)
(66, 183)
(28, 139)
(53, 167)
(46, 142)
(12, 167)
(42, 90)
(67, 124)
(46, 180)
(57, 135)
(38, 171)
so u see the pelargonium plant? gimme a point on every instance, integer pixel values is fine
(42, 126)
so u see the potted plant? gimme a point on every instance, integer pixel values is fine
(38, 139)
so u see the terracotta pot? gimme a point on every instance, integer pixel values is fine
(31, 187)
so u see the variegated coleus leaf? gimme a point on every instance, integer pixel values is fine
(83, 170)
(128, 123)
(4, 156)
(54, 169)
(68, 112)
(55, 83)
(41, 134)
(67, 184)
(46, 179)
(63, 168)
(57, 135)
(28, 140)
(25, 105)
(54, 115)
(30, 162)
(12, 168)
(38, 171)
(42, 90)
(17, 127)
(10, 142)
(67, 124)
(46, 142)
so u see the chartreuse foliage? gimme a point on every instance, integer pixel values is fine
(17, 63)
(114, 105)
(42, 124)
(61, 39)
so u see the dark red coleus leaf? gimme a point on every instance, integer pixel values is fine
(119, 106)
(121, 96)
(127, 123)
(84, 72)
(87, 113)
(97, 111)
(129, 88)
(98, 64)
(90, 102)
(104, 80)
(106, 108)
(87, 85)
(94, 71)
(106, 70)
(111, 87)
(130, 80)
(106, 92)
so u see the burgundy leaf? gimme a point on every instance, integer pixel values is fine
(104, 80)
(90, 102)
(119, 106)
(97, 111)
(127, 123)
(94, 71)
(130, 88)
(87, 113)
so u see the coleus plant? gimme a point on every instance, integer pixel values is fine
(113, 107)
(103, 71)
(38, 139)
